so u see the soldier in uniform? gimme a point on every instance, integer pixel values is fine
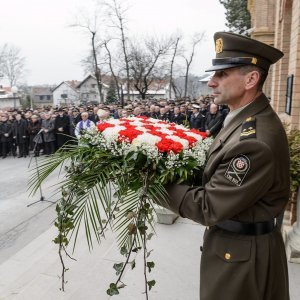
(245, 184)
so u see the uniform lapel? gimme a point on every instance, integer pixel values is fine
(252, 109)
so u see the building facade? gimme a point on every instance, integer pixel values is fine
(7, 99)
(277, 23)
(88, 90)
(66, 93)
(40, 96)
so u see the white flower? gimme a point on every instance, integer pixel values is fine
(113, 121)
(146, 139)
(166, 131)
(112, 133)
(175, 138)
(180, 127)
(141, 128)
(198, 137)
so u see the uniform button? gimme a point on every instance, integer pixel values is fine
(227, 256)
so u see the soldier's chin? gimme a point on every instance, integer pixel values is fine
(217, 99)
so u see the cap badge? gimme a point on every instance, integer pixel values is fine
(254, 60)
(219, 45)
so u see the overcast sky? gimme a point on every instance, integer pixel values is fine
(53, 50)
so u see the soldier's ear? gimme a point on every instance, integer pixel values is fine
(251, 79)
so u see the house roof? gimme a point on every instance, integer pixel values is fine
(40, 90)
(87, 78)
(73, 84)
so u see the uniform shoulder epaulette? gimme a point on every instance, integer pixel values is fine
(248, 129)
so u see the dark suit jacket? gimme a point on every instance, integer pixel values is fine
(198, 122)
(6, 128)
(179, 119)
(256, 266)
(214, 123)
(20, 131)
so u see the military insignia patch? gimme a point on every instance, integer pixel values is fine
(238, 169)
(219, 45)
(248, 129)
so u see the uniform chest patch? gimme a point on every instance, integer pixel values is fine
(238, 169)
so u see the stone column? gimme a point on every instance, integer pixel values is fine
(293, 237)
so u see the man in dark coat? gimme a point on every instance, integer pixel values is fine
(197, 120)
(93, 116)
(178, 117)
(62, 128)
(20, 135)
(35, 137)
(5, 135)
(214, 120)
(245, 184)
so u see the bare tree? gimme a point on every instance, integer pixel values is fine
(115, 77)
(117, 14)
(147, 63)
(172, 83)
(197, 38)
(12, 64)
(90, 25)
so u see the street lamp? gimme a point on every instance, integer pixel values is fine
(14, 90)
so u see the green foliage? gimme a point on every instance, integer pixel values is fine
(294, 146)
(111, 93)
(150, 265)
(118, 268)
(237, 16)
(151, 284)
(113, 290)
(104, 189)
(100, 190)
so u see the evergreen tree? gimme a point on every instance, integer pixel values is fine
(237, 16)
(111, 93)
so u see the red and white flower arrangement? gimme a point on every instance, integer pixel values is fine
(160, 141)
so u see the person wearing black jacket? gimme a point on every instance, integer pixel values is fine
(178, 117)
(214, 121)
(20, 134)
(5, 135)
(62, 128)
(197, 120)
(163, 115)
(33, 129)
(93, 116)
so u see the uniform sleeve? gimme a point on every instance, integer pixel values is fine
(242, 177)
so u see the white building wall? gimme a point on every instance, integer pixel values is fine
(73, 96)
(89, 91)
(9, 102)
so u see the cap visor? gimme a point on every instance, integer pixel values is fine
(223, 67)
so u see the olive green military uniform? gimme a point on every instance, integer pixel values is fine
(233, 266)
(246, 180)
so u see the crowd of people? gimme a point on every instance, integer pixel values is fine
(45, 130)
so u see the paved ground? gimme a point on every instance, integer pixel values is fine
(21, 224)
(29, 264)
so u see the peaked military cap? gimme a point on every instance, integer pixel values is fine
(234, 50)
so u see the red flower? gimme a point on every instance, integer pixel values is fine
(129, 134)
(180, 133)
(102, 126)
(203, 134)
(167, 145)
(148, 126)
